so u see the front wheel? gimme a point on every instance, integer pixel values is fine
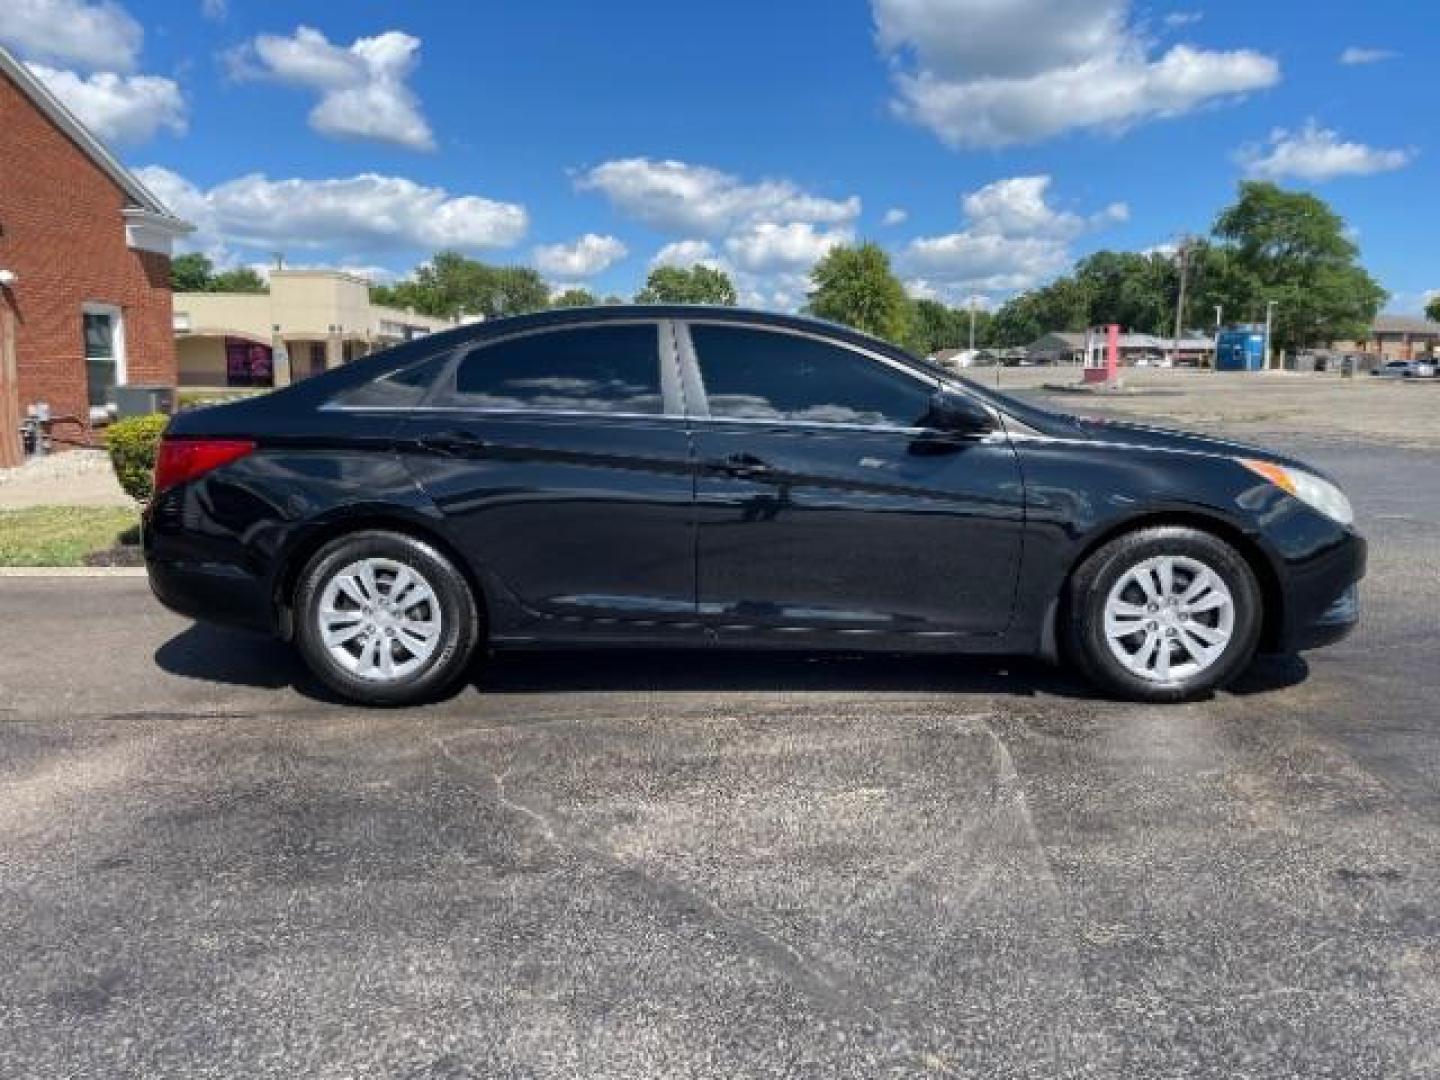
(1164, 614)
(384, 619)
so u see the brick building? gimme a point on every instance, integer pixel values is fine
(84, 262)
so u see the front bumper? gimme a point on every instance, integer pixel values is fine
(1322, 601)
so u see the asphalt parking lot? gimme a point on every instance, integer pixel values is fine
(721, 866)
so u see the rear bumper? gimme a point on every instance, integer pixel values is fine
(212, 592)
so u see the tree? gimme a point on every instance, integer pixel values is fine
(575, 298)
(1134, 291)
(191, 272)
(1064, 304)
(242, 280)
(699, 284)
(1432, 309)
(1289, 247)
(855, 286)
(934, 327)
(194, 272)
(451, 285)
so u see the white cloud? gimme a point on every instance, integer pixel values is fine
(1356, 55)
(896, 216)
(675, 196)
(1318, 154)
(94, 36)
(588, 256)
(794, 246)
(215, 10)
(118, 108)
(1013, 238)
(361, 215)
(362, 88)
(987, 73)
(687, 253)
(1177, 19)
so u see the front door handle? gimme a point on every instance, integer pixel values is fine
(453, 443)
(742, 467)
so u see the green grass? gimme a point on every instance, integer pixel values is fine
(63, 535)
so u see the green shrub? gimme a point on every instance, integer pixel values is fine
(133, 444)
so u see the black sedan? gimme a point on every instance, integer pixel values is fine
(670, 476)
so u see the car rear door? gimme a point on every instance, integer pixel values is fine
(561, 461)
(822, 505)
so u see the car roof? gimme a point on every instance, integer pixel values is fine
(560, 317)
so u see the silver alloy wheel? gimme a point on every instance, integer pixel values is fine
(379, 619)
(1169, 618)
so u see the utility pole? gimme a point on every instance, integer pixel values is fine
(972, 326)
(1269, 329)
(1184, 254)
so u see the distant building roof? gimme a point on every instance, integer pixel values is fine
(1405, 324)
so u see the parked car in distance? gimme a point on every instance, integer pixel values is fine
(1405, 369)
(678, 476)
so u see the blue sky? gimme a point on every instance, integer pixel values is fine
(986, 145)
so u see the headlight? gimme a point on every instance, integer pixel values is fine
(1318, 494)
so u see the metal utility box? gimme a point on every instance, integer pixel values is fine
(1240, 350)
(141, 400)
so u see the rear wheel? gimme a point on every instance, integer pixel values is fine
(1164, 614)
(383, 618)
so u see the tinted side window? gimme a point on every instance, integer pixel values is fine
(763, 375)
(600, 369)
(400, 389)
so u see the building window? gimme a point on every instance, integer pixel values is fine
(104, 355)
(248, 363)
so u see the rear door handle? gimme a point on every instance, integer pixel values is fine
(743, 467)
(453, 443)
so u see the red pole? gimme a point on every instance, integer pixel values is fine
(1112, 352)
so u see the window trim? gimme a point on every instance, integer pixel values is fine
(116, 315)
(694, 378)
(672, 403)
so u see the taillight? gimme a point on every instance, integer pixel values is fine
(180, 460)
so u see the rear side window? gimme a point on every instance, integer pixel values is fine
(754, 374)
(401, 389)
(599, 369)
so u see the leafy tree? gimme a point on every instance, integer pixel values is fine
(575, 298)
(855, 286)
(1432, 309)
(934, 327)
(699, 284)
(1135, 291)
(242, 279)
(194, 272)
(1064, 304)
(1291, 248)
(191, 272)
(451, 285)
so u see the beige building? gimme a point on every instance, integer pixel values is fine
(309, 321)
(1397, 337)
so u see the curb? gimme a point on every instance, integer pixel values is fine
(72, 571)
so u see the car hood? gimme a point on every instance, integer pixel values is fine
(1146, 436)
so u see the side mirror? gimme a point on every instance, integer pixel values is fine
(958, 414)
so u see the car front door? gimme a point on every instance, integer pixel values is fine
(561, 461)
(823, 504)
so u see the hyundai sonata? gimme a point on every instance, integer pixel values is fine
(673, 476)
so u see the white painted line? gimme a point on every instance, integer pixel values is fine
(72, 571)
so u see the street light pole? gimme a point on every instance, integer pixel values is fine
(1269, 329)
(972, 327)
(1180, 300)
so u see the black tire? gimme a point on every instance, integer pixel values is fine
(460, 626)
(1089, 587)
